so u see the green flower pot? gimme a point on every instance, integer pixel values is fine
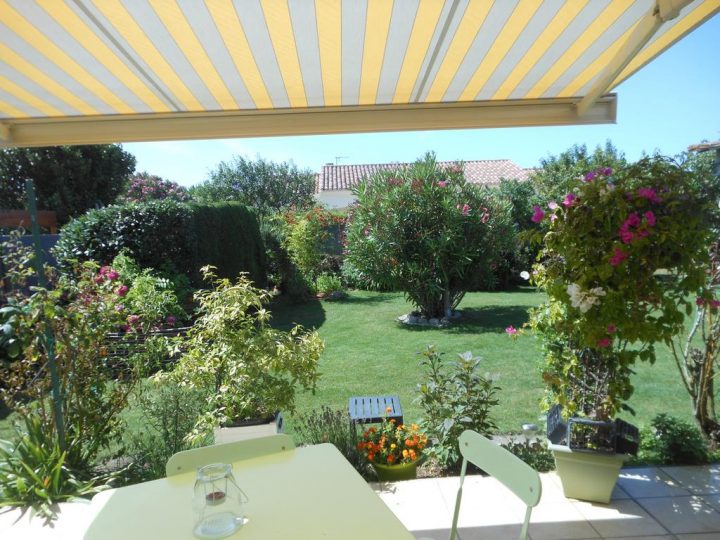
(392, 473)
(587, 476)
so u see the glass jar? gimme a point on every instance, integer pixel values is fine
(217, 501)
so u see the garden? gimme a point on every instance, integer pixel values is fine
(584, 297)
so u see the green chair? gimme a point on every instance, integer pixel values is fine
(515, 474)
(191, 460)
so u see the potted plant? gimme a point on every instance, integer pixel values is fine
(393, 450)
(622, 255)
(248, 370)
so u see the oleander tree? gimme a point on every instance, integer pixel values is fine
(424, 230)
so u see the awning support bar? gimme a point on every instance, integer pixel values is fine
(662, 11)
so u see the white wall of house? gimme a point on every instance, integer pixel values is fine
(335, 199)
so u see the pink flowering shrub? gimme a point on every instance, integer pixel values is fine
(426, 231)
(147, 187)
(606, 245)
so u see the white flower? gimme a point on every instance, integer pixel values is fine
(524, 275)
(584, 300)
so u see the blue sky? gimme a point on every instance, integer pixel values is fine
(671, 103)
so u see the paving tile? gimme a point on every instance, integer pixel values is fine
(649, 482)
(499, 532)
(559, 521)
(712, 500)
(699, 536)
(418, 504)
(698, 480)
(620, 518)
(653, 537)
(435, 534)
(682, 515)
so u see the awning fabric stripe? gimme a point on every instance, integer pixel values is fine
(77, 59)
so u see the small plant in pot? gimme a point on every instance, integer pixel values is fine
(248, 370)
(622, 255)
(394, 450)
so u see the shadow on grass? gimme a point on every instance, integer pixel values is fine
(285, 314)
(477, 320)
(364, 300)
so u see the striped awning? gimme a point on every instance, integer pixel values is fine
(89, 71)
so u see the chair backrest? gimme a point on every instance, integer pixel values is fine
(190, 460)
(515, 474)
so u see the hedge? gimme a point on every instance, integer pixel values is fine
(162, 234)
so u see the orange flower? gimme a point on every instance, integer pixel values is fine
(388, 410)
(391, 459)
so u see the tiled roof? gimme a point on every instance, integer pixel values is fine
(486, 171)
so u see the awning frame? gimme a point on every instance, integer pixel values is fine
(307, 121)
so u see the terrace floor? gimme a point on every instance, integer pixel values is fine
(648, 503)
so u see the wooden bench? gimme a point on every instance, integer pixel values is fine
(372, 409)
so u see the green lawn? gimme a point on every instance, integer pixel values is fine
(367, 352)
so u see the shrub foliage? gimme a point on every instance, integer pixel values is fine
(158, 233)
(426, 231)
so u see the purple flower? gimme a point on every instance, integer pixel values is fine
(618, 256)
(133, 319)
(569, 199)
(589, 177)
(465, 209)
(171, 320)
(112, 275)
(604, 342)
(552, 205)
(714, 304)
(611, 329)
(633, 220)
(650, 194)
(649, 218)
(538, 214)
(626, 236)
(699, 301)
(606, 171)
(511, 330)
(442, 183)
(121, 290)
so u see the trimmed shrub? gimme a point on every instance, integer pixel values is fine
(161, 233)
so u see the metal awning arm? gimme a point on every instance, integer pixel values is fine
(661, 12)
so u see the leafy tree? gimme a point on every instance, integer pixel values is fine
(424, 230)
(263, 185)
(147, 187)
(557, 174)
(68, 179)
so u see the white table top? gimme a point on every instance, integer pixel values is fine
(306, 493)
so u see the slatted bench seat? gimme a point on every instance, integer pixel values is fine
(372, 409)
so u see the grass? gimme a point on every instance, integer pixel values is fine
(367, 352)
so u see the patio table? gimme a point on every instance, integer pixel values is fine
(306, 493)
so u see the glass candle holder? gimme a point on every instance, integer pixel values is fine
(217, 501)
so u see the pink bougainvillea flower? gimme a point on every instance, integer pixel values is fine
(104, 270)
(569, 199)
(511, 330)
(643, 233)
(112, 275)
(700, 301)
(618, 256)
(465, 209)
(604, 342)
(589, 177)
(626, 236)
(611, 329)
(171, 320)
(538, 214)
(649, 218)
(552, 205)
(121, 290)
(633, 220)
(442, 183)
(650, 194)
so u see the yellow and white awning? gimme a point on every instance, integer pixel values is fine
(88, 71)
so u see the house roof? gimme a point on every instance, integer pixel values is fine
(97, 71)
(486, 171)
